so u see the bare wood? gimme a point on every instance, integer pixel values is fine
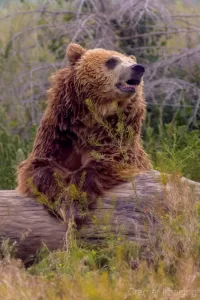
(28, 223)
(127, 210)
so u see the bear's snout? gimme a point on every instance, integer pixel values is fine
(138, 69)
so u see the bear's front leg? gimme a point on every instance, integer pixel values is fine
(88, 180)
(95, 179)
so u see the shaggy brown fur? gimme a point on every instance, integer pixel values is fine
(71, 131)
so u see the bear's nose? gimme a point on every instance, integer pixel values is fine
(139, 69)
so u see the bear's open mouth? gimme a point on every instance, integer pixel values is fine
(129, 85)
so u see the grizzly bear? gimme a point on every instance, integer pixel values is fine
(91, 126)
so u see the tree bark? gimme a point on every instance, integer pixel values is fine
(127, 211)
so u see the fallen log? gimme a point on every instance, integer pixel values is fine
(127, 210)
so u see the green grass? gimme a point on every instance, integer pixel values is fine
(13, 149)
(174, 149)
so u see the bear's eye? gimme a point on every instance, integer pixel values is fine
(111, 63)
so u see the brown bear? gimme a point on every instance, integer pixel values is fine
(91, 126)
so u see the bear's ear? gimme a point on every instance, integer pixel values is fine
(74, 53)
(133, 57)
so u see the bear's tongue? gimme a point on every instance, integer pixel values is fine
(129, 86)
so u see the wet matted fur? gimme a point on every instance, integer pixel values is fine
(79, 131)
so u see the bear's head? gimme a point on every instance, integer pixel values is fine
(105, 76)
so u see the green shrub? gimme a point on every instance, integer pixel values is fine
(13, 150)
(174, 149)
